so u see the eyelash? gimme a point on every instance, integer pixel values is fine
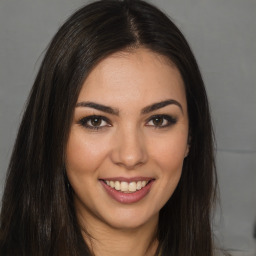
(84, 122)
(170, 120)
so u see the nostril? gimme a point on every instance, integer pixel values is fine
(130, 150)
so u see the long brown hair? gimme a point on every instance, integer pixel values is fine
(38, 216)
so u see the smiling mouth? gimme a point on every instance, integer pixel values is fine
(127, 187)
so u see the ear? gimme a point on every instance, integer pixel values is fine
(187, 151)
(188, 146)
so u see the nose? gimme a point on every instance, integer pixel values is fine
(129, 149)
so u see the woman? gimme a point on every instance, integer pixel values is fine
(114, 155)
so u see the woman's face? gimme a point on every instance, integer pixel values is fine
(128, 139)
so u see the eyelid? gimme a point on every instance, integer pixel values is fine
(84, 122)
(171, 120)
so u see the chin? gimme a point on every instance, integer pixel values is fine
(129, 219)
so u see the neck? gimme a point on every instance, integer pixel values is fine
(105, 240)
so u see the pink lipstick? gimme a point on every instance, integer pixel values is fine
(126, 193)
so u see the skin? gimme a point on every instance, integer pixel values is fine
(129, 144)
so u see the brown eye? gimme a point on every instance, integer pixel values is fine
(95, 121)
(161, 121)
(158, 121)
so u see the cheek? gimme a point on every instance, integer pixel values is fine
(171, 168)
(83, 155)
(169, 152)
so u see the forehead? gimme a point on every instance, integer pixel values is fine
(137, 76)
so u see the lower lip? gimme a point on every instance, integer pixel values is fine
(127, 198)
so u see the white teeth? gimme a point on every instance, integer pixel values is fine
(125, 186)
(132, 187)
(112, 184)
(117, 185)
(138, 185)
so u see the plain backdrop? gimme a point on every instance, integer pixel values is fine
(222, 34)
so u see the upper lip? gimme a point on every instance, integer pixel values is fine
(131, 179)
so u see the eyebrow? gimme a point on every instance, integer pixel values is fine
(98, 106)
(115, 111)
(161, 104)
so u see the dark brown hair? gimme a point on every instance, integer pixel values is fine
(38, 216)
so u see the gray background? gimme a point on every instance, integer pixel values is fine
(222, 34)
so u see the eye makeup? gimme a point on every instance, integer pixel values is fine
(96, 122)
(161, 121)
